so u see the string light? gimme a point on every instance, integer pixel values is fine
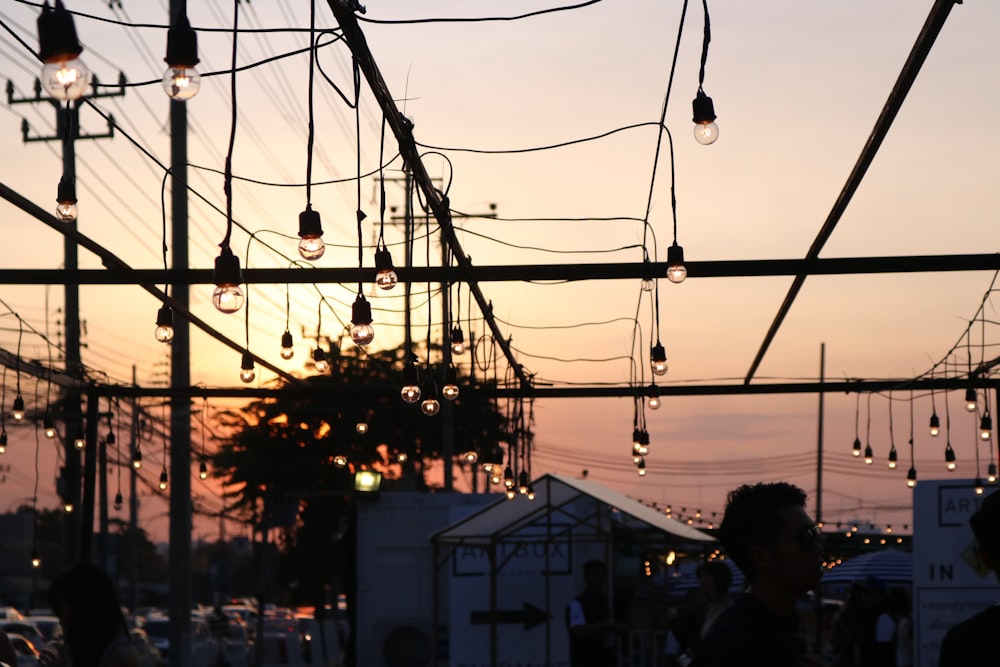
(287, 351)
(385, 272)
(658, 359)
(181, 80)
(457, 340)
(676, 270)
(706, 132)
(247, 372)
(66, 208)
(653, 401)
(163, 479)
(430, 406)
(320, 362)
(362, 332)
(64, 76)
(410, 392)
(164, 332)
(227, 296)
(450, 390)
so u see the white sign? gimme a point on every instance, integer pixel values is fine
(949, 582)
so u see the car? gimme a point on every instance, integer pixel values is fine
(10, 614)
(27, 654)
(48, 625)
(27, 629)
(204, 648)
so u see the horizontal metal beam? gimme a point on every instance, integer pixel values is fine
(620, 391)
(752, 268)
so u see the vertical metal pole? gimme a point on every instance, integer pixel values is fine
(133, 507)
(86, 511)
(447, 408)
(67, 126)
(102, 508)
(819, 486)
(180, 406)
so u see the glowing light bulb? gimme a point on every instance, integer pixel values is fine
(66, 78)
(410, 391)
(985, 426)
(79, 442)
(163, 480)
(320, 362)
(949, 457)
(856, 450)
(470, 456)
(531, 492)
(430, 406)
(676, 271)
(227, 296)
(991, 472)
(203, 469)
(978, 486)
(457, 340)
(361, 428)
(164, 324)
(3, 441)
(311, 246)
(287, 351)
(362, 332)
(18, 409)
(36, 560)
(869, 456)
(911, 477)
(181, 83)
(49, 426)
(892, 458)
(450, 390)
(658, 359)
(706, 132)
(935, 425)
(511, 494)
(137, 459)
(247, 372)
(340, 460)
(66, 211)
(385, 273)
(970, 400)
(641, 467)
(402, 457)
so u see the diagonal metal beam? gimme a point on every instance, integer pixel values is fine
(402, 129)
(918, 54)
(115, 263)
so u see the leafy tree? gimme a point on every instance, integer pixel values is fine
(291, 459)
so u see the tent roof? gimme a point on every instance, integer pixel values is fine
(553, 493)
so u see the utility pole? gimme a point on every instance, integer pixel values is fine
(68, 132)
(133, 507)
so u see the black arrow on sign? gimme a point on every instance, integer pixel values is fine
(530, 616)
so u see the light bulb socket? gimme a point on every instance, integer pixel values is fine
(383, 260)
(318, 354)
(163, 477)
(18, 404)
(991, 469)
(949, 454)
(986, 423)
(182, 43)
(361, 311)
(227, 268)
(675, 254)
(246, 364)
(309, 224)
(410, 376)
(703, 109)
(657, 353)
(3, 438)
(892, 455)
(164, 316)
(57, 34)
(457, 335)
(970, 397)
(66, 191)
(286, 339)
(47, 422)
(935, 422)
(911, 474)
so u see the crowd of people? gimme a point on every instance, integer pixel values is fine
(769, 536)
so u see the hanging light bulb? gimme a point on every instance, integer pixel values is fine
(119, 501)
(892, 458)
(508, 477)
(110, 438)
(949, 458)
(164, 324)
(935, 425)
(68, 507)
(137, 458)
(641, 467)
(869, 456)
(911, 477)
(985, 426)
(643, 445)
(79, 442)
(247, 372)
(361, 427)
(706, 132)
(457, 340)
(340, 460)
(49, 426)
(978, 484)
(181, 80)
(658, 359)
(202, 469)
(531, 492)
(402, 457)
(66, 209)
(227, 296)
(648, 282)
(522, 482)
(163, 480)
(676, 271)
(450, 390)
(991, 472)
(856, 451)
(653, 401)
(471, 456)
(970, 399)
(430, 406)
(410, 392)
(320, 362)
(36, 560)
(511, 494)
(287, 351)
(311, 246)
(3, 441)
(64, 75)
(385, 273)
(18, 408)
(362, 332)
(495, 477)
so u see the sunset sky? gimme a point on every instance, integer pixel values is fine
(797, 87)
